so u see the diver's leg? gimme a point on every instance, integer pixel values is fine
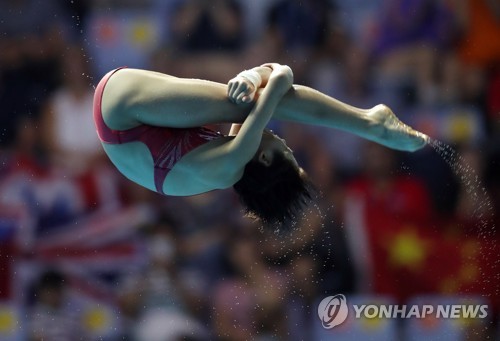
(379, 124)
(132, 97)
(303, 104)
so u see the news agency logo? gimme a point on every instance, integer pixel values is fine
(333, 311)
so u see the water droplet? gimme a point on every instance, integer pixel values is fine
(471, 182)
(483, 208)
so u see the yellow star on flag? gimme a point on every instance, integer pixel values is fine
(408, 250)
(142, 33)
(7, 321)
(96, 319)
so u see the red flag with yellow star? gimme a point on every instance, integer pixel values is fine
(406, 253)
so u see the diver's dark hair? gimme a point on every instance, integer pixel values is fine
(274, 194)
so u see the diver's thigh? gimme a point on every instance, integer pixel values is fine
(135, 97)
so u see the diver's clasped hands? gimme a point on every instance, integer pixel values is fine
(242, 88)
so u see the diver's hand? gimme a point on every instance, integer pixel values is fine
(241, 89)
(389, 131)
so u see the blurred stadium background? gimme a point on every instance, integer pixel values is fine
(87, 255)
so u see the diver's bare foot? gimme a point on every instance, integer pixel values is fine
(391, 132)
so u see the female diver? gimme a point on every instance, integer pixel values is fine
(151, 126)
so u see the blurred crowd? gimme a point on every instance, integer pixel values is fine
(86, 253)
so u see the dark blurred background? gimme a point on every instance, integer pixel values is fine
(88, 255)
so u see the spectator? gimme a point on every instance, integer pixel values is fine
(75, 15)
(52, 317)
(358, 19)
(69, 136)
(31, 40)
(68, 128)
(314, 254)
(382, 205)
(299, 25)
(202, 26)
(473, 210)
(249, 303)
(295, 29)
(27, 183)
(162, 325)
(476, 53)
(156, 284)
(349, 78)
(207, 39)
(26, 155)
(479, 45)
(303, 294)
(411, 34)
